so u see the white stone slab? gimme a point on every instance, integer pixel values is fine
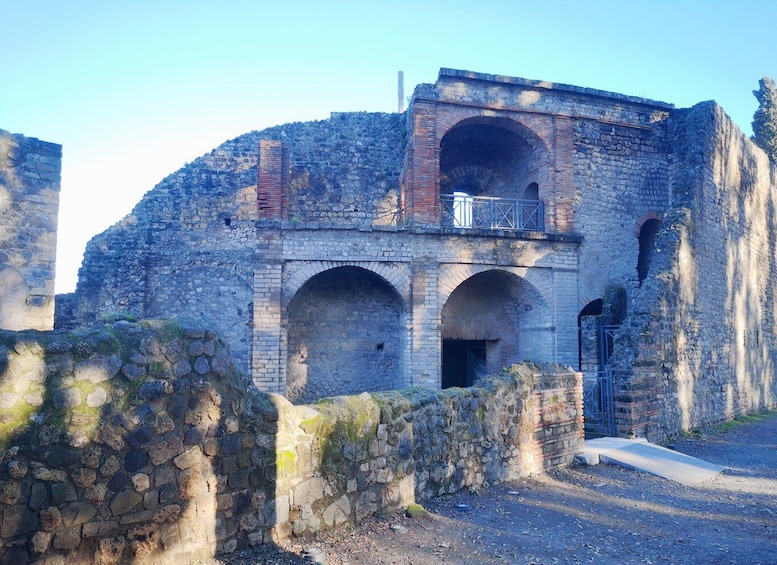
(660, 461)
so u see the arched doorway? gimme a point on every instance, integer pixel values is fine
(490, 321)
(344, 336)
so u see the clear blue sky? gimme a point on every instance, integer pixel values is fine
(135, 89)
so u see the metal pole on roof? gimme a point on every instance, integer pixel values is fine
(401, 91)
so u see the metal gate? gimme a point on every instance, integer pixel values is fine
(598, 397)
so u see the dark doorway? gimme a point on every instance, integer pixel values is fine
(647, 240)
(463, 362)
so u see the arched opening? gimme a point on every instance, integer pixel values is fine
(597, 325)
(490, 321)
(532, 192)
(588, 336)
(488, 159)
(344, 336)
(494, 162)
(647, 240)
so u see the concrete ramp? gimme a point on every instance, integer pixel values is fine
(641, 455)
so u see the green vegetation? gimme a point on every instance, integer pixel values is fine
(765, 117)
(728, 425)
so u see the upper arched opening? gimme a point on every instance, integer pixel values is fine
(489, 157)
(487, 166)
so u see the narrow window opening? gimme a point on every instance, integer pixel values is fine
(380, 346)
(647, 240)
(227, 221)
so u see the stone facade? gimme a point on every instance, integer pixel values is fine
(699, 343)
(29, 208)
(498, 219)
(141, 443)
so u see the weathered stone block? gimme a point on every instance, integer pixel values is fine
(40, 542)
(165, 449)
(338, 512)
(189, 458)
(135, 460)
(141, 482)
(191, 484)
(76, 513)
(67, 398)
(124, 502)
(67, 539)
(63, 492)
(109, 551)
(10, 492)
(98, 369)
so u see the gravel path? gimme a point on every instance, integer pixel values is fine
(580, 514)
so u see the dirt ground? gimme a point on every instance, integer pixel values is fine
(598, 514)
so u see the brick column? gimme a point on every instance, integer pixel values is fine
(565, 307)
(560, 213)
(426, 343)
(268, 351)
(272, 184)
(422, 203)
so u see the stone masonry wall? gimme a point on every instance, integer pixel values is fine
(141, 443)
(189, 246)
(29, 208)
(699, 344)
(622, 175)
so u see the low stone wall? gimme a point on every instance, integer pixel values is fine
(140, 442)
(345, 458)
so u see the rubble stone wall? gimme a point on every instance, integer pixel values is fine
(29, 208)
(142, 443)
(699, 343)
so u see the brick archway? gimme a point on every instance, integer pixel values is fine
(298, 273)
(345, 333)
(499, 312)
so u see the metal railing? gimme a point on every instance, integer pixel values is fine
(463, 211)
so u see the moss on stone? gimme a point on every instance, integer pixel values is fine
(416, 511)
(285, 463)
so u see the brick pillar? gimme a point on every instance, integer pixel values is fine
(268, 351)
(560, 213)
(272, 184)
(422, 202)
(565, 307)
(426, 344)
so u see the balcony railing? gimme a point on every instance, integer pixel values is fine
(463, 211)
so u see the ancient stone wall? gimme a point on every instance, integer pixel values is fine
(622, 175)
(29, 208)
(140, 442)
(699, 343)
(189, 246)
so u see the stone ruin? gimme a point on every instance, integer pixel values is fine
(142, 443)
(29, 205)
(498, 219)
(409, 255)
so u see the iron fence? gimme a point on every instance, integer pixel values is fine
(598, 403)
(462, 211)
